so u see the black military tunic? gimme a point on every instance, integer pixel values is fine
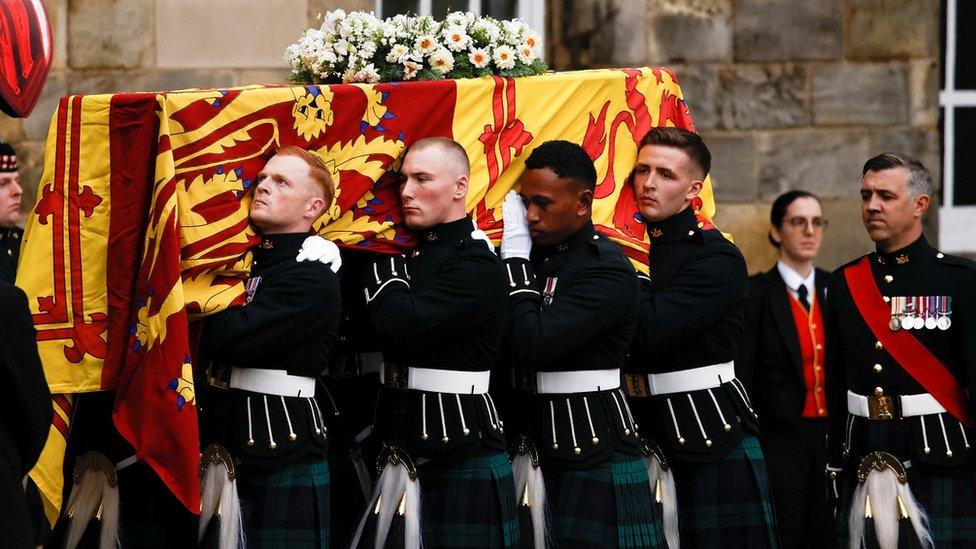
(691, 315)
(937, 447)
(288, 324)
(9, 252)
(443, 308)
(451, 317)
(573, 308)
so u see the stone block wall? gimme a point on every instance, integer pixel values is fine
(787, 93)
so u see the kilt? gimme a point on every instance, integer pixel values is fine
(347, 495)
(470, 503)
(610, 505)
(949, 499)
(149, 515)
(726, 503)
(287, 506)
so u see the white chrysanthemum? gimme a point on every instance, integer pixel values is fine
(456, 19)
(526, 54)
(425, 44)
(456, 38)
(442, 60)
(410, 69)
(532, 39)
(397, 53)
(488, 28)
(479, 57)
(511, 28)
(504, 57)
(368, 74)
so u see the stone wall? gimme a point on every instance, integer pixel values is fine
(788, 93)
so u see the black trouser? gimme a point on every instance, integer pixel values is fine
(795, 461)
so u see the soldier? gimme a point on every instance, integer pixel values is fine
(783, 353)
(10, 195)
(25, 415)
(439, 316)
(263, 359)
(572, 307)
(682, 374)
(901, 345)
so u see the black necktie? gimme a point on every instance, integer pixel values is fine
(804, 296)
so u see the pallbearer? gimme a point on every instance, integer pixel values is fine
(444, 475)
(682, 375)
(572, 313)
(902, 344)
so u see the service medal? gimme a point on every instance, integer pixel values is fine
(944, 323)
(895, 324)
(919, 323)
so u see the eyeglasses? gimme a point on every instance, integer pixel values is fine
(817, 223)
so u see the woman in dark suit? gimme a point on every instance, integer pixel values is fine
(783, 352)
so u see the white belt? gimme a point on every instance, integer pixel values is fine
(446, 381)
(921, 404)
(696, 379)
(272, 382)
(581, 381)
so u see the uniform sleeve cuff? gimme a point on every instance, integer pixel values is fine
(521, 279)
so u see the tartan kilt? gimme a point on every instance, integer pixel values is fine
(609, 505)
(470, 503)
(948, 499)
(726, 503)
(287, 506)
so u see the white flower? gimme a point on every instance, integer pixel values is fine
(457, 19)
(341, 46)
(532, 39)
(397, 53)
(410, 69)
(456, 38)
(331, 19)
(488, 28)
(368, 74)
(511, 28)
(504, 57)
(442, 61)
(526, 54)
(425, 44)
(367, 49)
(479, 57)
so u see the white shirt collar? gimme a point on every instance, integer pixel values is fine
(793, 279)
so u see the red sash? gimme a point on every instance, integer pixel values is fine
(907, 351)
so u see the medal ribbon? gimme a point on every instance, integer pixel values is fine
(907, 351)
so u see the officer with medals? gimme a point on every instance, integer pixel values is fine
(572, 308)
(901, 329)
(262, 406)
(682, 378)
(10, 195)
(444, 478)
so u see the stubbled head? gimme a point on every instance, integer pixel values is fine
(434, 182)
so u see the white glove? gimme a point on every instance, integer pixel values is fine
(516, 241)
(478, 234)
(316, 248)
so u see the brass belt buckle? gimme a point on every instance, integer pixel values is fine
(218, 376)
(636, 385)
(881, 407)
(395, 375)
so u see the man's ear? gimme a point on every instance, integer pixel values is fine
(461, 187)
(922, 205)
(694, 190)
(314, 208)
(585, 199)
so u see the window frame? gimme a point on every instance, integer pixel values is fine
(955, 221)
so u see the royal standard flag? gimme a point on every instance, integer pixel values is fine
(141, 225)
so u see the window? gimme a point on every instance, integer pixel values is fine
(958, 102)
(533, 12)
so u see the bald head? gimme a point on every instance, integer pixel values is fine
(451, 153)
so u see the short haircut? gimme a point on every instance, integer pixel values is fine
(568, 160)
(689, 142)
(318, 171)
(454, 153)
(777, 213)
(919, 181)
